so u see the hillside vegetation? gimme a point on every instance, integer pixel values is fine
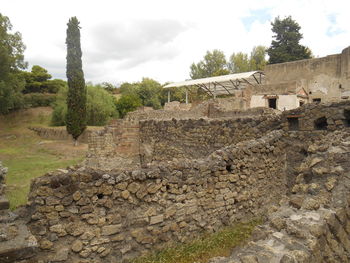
(27, 156)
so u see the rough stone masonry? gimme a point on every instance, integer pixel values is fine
(293, 171)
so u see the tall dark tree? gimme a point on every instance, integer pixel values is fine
(76, 99)
(286, 45)
(11, 62)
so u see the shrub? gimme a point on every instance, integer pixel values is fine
(32, 100)
(100, 107)
(128, 102)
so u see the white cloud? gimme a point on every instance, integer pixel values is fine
(128, 40)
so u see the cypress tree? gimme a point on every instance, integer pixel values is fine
(76, 98)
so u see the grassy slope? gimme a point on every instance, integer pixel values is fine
(27, 156)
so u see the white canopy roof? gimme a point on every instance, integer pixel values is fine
(225, 84)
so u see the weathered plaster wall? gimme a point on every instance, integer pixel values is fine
(284, 102)
(90, 216)
(326, 78)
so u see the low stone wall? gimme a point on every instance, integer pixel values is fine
(86, 215)
(60, 133)
(313, 223)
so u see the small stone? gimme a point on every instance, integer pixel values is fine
(296, 201)
(156, 219)
(85, 253)
(122, 186)
(125, 194)
(59, 229)
(111, 229)
(77, 246)
(100, 250)
(76, 196)
(61, 254)
(106, 176)
(153, 188)
(46, 244)
(330, 183)
(134, 187)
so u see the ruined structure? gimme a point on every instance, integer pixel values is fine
(290, 168)
(165, 176)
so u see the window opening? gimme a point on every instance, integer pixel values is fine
(347, 117)
(272, 103)
(293, 124)
(321, 123)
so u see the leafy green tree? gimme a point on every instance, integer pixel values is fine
(101, 107)
(128, 102)
(241, 62)
(76, 99)
(39, 81)
(148, 91)
(213, 64)
(286, 45)
(108, 87)
(11, 62)
(257, 58)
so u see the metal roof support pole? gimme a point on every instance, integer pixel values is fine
(168, 95)
(214, 91)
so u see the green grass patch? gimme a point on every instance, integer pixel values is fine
(27, 156)
(202, 249)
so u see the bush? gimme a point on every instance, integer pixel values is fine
(128, 102)
(32, 100)
(100, 107)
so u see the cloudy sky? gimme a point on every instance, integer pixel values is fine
(125, 40)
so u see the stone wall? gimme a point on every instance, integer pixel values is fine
(84, 215)
(116, 146)
(195, 138)
(313, 223)
(60, 133)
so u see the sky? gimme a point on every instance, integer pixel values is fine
(126, 40)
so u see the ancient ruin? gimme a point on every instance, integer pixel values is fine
(162, 176)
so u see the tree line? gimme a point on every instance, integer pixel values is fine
(20, 88)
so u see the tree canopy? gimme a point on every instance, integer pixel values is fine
(242, 62)
(213, 64)
(39, 81)
(11, 62)
(285, 46)
(76, 98)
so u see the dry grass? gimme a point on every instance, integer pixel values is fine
(27, 156)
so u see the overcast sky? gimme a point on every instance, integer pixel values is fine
(125, 40)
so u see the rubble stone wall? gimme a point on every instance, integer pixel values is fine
(312, 224)
(87, 215)
(196, 138)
